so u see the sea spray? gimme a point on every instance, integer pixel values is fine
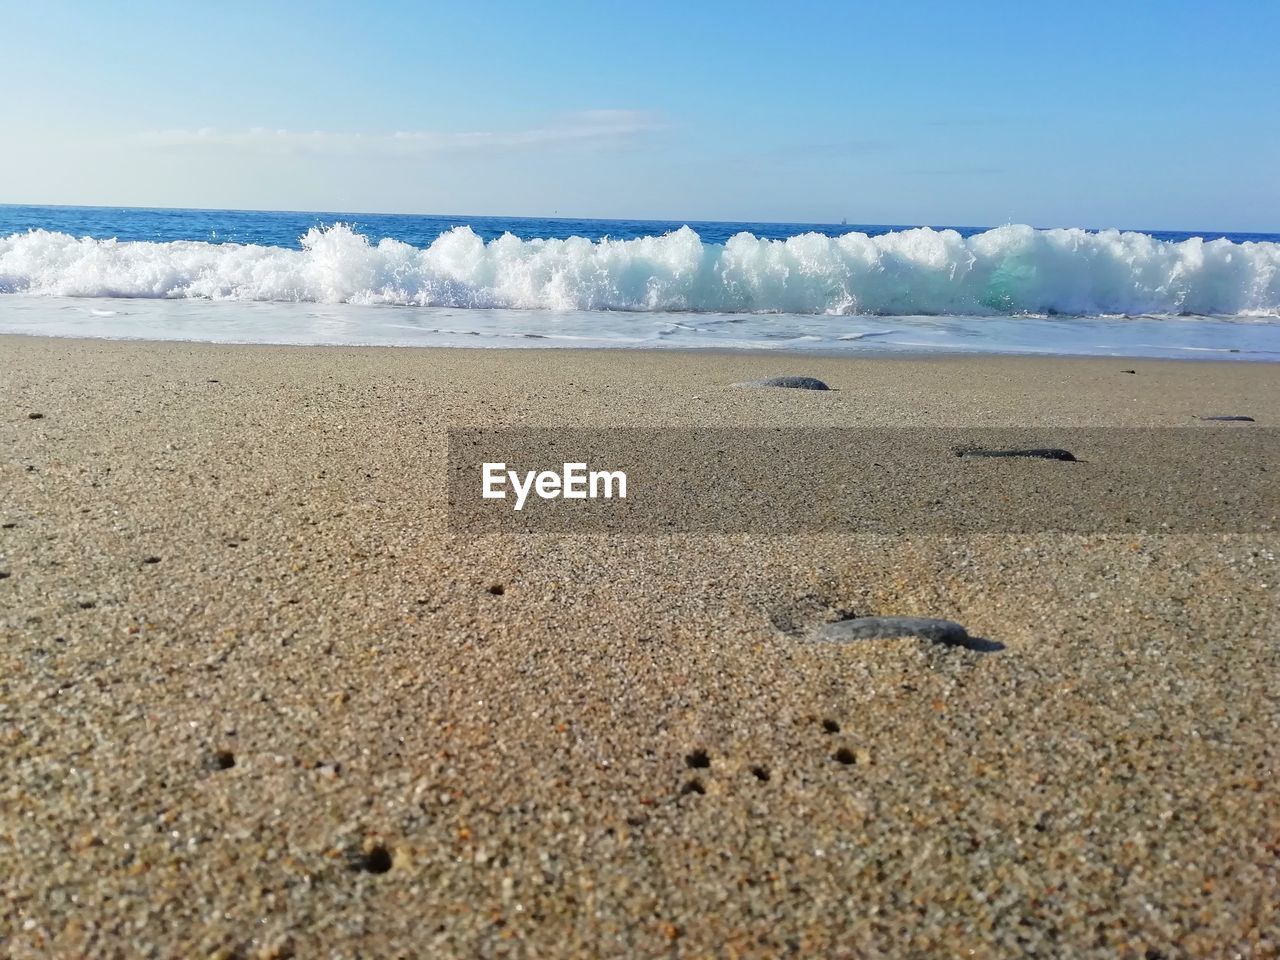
(1010, 271)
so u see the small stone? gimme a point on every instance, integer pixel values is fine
(1230, 419)
(373, 858)
(1038, 453)
(35, 416)
(792, 383)
(876, 628)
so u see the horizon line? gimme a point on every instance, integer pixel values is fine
(655, 220)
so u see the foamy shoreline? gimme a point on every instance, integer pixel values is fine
(291, 323)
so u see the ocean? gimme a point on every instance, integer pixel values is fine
(355, 278)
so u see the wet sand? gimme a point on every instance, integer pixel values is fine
(257, 700)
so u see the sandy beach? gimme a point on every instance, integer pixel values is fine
(257, 699)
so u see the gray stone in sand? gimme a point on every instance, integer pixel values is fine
(1035, 453)
(875, 628)
(793, 383)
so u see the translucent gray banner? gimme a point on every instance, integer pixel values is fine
(1210, 478)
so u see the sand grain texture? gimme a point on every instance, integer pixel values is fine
(256, 700)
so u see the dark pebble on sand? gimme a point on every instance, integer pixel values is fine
(1128, 371)
(1039, 453)
(35, 416)
(1230, 419)
(792, 383)
(376, 859)
(875, 628)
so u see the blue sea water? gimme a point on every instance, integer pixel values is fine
(286, 228)
(305, 277)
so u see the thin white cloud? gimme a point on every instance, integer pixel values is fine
(586, 127)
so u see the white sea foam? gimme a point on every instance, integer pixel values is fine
(1010, 270)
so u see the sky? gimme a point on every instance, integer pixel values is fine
(1126, 114)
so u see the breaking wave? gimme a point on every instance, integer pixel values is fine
(1010, 270)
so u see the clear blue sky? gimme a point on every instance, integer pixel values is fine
(1133, 114)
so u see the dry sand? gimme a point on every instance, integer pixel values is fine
(255, 700)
